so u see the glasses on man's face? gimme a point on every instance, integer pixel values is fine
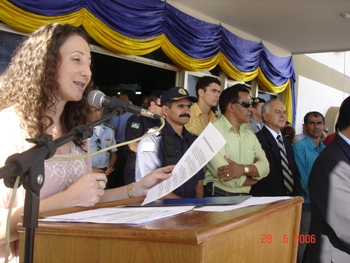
(244, 104)
(98, 143)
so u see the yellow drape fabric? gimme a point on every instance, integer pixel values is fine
(28, 22)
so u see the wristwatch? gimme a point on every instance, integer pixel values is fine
(246, 170)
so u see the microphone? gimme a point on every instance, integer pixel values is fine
(98, 99)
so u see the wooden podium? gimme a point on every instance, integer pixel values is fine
(263, 233)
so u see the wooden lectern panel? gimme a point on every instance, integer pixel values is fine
(263, 233)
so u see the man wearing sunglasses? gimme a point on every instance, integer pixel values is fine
(242, 161)
(170, 144)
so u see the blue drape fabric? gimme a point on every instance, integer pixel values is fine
(137, 27)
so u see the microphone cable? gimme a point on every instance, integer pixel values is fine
(15, 187)
(148, 134)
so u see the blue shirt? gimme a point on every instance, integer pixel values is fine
(106, 139)
(305, 154)
(119, 123)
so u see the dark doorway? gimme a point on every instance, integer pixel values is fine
(110, 71)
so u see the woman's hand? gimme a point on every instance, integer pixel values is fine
(152, 179)
(87, 190)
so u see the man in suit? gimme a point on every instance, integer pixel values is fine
(274, 117)
(329, 187)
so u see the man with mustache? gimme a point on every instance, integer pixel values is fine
(306, 151)
(171, 143)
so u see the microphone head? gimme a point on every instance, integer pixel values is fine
(95, 98)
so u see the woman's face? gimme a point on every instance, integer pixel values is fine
(74, 73)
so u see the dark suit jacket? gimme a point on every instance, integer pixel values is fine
(329, 187)
(273, 184)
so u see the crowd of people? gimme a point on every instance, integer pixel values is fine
(262, 155)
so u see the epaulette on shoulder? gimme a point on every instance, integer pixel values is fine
(153, 129)
(109, 125)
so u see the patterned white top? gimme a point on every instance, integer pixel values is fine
(59, 175)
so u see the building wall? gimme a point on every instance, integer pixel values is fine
(322, 82)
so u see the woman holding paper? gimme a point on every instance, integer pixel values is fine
(44, 91)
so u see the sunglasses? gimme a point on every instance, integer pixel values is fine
(244, 104)
(98, 143)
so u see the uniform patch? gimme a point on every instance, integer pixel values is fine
(135, 125)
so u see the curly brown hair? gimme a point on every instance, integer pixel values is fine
(30, 82)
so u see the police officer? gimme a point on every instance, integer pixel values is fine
(137, 126)
(255, 122)
(103, 137)
(170, 144)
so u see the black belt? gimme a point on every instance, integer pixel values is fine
(212, 190)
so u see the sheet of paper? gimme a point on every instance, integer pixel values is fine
(208, 143)
(119, 215)
(249, 202)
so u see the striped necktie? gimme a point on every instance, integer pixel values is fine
(287, 174)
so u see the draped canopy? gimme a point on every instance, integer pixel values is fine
(138, 27)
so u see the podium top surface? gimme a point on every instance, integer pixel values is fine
(191, 227)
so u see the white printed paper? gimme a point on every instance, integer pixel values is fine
(119, 215)
(202, 150)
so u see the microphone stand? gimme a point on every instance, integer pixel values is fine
(30, 166)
